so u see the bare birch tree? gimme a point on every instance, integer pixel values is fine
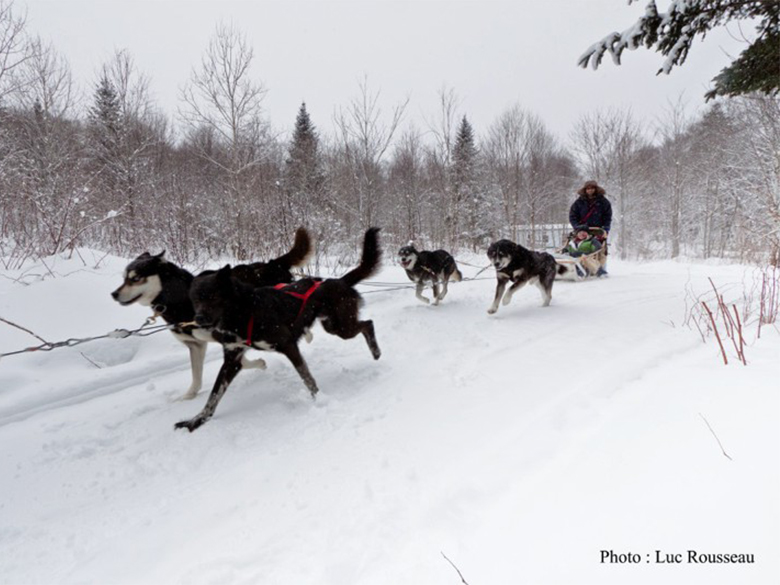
(365, 134)
(755, 158)
(408, 189)
(223, 104)
(52, 211)
(506, 153)
(526, 168)
(46, 80)
(440, 158)
(13, 48)
(674, 170)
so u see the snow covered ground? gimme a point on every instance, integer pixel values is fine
(524, 446)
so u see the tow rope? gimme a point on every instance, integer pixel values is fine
(142, 331)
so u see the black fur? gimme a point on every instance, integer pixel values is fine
(437, 267)
(277, 270)
(240, 316)
(521, 266)
(156, 282)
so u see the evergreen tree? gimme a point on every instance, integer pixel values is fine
(106, 125)
(105, 112)
(464, 155)
(304, 177)
(672, 33)
(111, 153)
(465, 184)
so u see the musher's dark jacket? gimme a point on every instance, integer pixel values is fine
(595, 212)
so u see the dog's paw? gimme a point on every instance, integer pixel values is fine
(191, 424)
(188, 395)
(258, 364)
(492, 310)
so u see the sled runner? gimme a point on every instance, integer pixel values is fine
(586, 265)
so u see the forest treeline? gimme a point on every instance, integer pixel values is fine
(111, 171)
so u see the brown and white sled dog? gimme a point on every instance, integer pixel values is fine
(153, 281)
(241, 317)
(437, 267)
(521, 266)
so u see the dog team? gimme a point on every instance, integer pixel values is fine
(259, 306)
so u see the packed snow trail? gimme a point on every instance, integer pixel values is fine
(519, 444)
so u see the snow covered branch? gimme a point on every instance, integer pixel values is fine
(671, 34)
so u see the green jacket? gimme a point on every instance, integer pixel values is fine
(587, 246)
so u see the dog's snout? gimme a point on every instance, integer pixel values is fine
(202, 320)
(115, 295)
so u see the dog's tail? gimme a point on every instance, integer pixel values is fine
(457, 275)
(299, 253)
(369, 261)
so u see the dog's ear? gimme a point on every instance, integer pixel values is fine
(160, 256)
(223, 275)
(145, 255)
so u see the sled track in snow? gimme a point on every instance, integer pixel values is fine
(72, 395)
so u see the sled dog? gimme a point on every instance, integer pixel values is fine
(435, 267)
(521, 266)
(153, 281)
(241, 317)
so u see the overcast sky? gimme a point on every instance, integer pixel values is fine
(493, 54)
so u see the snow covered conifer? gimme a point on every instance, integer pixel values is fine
(106, 118)
(464, 153)
(671, 33)
(303, 167)
(465, 184)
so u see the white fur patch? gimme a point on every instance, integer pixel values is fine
(142, 293)
(256, 345)
(503, 262)
(262, 345)
(412, 260)
(203, 335)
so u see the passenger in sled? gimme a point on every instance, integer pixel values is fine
(584, 245)
(593, 211)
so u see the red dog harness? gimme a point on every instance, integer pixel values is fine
(280, 287)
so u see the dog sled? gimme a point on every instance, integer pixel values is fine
(584, 266)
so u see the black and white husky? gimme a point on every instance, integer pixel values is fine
(242, 317)
(521, 266)
(153, 281)
(437, 267)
